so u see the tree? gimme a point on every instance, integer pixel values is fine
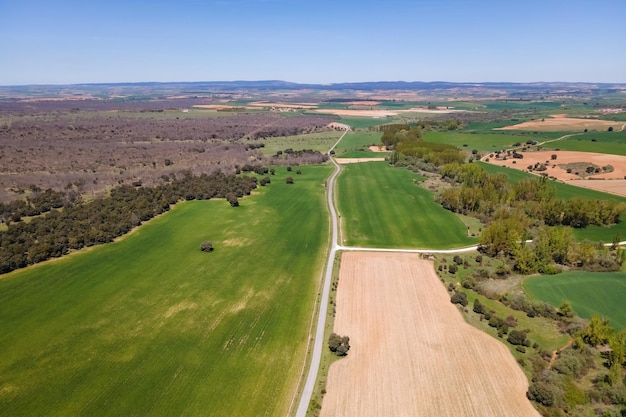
(518, 337)
(339, 344)
(459, 297)
(206, 246)
(566, 310)
(289, 180)
(479, 307)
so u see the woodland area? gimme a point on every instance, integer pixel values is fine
(89, 145)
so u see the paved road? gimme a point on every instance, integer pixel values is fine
(318, 344)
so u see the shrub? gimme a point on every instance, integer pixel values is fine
(459, 297)
(457, 260)
(289, 180)
(453, 268)
(206, 246)
(518, 337)
(541, 393)
(478, 307)
(339, 344)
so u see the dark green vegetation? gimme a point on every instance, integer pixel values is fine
(566, 191)
(356, 145)
(600, 142)
(70, 224)
(150, 325)
(339, 345)
(381, 206)
(589, 293)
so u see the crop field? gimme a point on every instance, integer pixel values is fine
(566, 191)
(613, 143)
(381, 206)
(364, 122)
(412, 354)
(150, 325)
(484, 142)
(321, 141)
(356, 145)
(589, 293)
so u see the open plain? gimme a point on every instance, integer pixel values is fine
(412, 353)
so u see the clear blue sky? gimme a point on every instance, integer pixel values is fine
(313, 41)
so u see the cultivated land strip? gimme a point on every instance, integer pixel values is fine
(318, 343)
(412, 354)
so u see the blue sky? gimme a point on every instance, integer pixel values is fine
(322, 41)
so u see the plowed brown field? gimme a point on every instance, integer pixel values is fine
(412, 354)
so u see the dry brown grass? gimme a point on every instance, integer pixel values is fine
(412, 354)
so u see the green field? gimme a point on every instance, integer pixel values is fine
(605, 142)
(485, 141)
(356, 145)
(364, 122)
(566, 191)
(321, 141)
(589, 293)
(381, 206)
(150, 325)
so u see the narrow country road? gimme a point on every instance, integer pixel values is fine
(318, 344)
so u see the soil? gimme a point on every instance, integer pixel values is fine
(375, 148)
(560, 123)
(612, 182)
(357, 160)
(412, 354)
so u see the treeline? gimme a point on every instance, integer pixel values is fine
(528, 210)
(407, 143)
(76, 225)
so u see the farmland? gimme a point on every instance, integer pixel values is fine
(381, 206)
(613, 143)
(412, 353)
(589, 293)
(356, 145)
(152, 325)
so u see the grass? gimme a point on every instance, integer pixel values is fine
(150, 325)
(613, 143)
(381, 206)
(589, 293)
(484, 141)
(358, 142)
(321, 141)
(365, 122)
(567, 191)
(542, 330)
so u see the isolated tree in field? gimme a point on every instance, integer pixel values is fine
(206, 246)
(339, 345)
(289, 180)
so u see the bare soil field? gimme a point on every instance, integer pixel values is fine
(284, 105)
(558, 167)
(412, 354)
(357, 160)
(617, 187)
(375, 148)
(560, 123)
